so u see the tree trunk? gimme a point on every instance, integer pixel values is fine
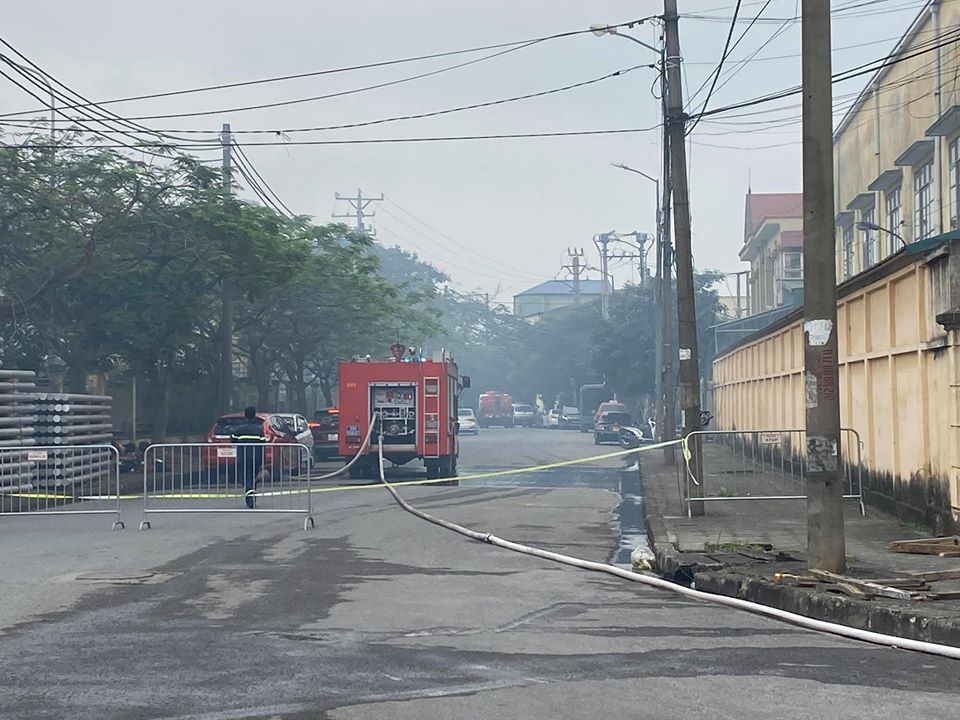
(326, 388)
(77, 376)
(159, 406)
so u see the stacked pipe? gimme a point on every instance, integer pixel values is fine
(71, 420)
(18, 421)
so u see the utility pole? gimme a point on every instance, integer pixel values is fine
(575, 254)
(686, 308)
(225, 400)
(666, 397)
(825, 541)
(359, 205)
(602, 241)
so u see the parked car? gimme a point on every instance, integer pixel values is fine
(277, 428)
(607, 427)
(325, 428)
(467, 421)
(564, 418)
(609, 406)
(524, 414)
(297, 427)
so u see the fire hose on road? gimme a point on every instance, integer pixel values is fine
(661, 584)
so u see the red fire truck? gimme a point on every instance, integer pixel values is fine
(496, 408)
(416, 402)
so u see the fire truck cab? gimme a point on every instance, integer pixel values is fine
(415, 402)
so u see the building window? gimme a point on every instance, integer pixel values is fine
(868, 216)
(792, 265)
(848, 251)
(955, 184)
(923, 201)
(894, 219)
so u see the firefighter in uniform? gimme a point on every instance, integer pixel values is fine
(249, 436)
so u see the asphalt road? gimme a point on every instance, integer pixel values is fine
(376, 614)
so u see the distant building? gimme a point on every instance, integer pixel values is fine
(551, 295)
(773, 245)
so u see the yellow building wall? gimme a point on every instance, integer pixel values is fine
(897, 381)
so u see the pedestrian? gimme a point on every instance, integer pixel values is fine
(250, 438)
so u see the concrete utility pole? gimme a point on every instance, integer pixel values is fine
(686, 309)
(602, 242)
(666, 398)
(825, 541)
(575, 268)
(359, 205)
(225, 399)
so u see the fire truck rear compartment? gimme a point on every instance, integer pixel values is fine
(396, 404)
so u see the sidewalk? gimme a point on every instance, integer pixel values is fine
(736, 547)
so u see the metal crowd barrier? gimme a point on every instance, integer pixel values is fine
(60, 480)
(211, 478)
(742, 465)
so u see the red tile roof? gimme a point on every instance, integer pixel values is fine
(791, 239)
(760, 206)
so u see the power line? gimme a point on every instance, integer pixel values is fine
(332, 71)
(378, 141)
(456, 242)
(838, 77)
(723, 57)
(433, 113)
(258, 184)
(509, 272)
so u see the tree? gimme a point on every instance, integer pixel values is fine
(60, 210)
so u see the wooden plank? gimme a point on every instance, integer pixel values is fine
(925, 546)
(934, 575)
(873, 588)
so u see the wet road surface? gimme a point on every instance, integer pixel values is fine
(376, 614)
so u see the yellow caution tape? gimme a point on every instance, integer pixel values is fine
(403, 483)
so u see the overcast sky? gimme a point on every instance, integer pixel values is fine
(499, 214)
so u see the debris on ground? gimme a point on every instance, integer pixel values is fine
(946, 546)
(910, 586)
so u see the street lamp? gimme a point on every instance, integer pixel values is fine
(665, 384)
(601, 29)
(869, 226)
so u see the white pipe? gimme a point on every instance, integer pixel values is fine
(651, 581)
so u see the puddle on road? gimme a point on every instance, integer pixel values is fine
(629, 516)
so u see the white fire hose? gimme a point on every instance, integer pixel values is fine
(652, 581)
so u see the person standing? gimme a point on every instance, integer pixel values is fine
(250, 437)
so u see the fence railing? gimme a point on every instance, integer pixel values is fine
(227, 478)
(744, 465)
(60, 480)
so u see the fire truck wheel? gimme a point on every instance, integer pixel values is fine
(433, 469)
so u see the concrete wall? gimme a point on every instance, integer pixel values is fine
(899, 382)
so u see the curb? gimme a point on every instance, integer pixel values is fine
(900, 619)
(891, 618)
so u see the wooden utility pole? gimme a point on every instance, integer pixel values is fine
(686, 307)
(825, 541)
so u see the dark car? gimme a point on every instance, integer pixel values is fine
(325, 427)
(608, 426)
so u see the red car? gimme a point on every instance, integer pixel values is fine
(609, 406)
(277, 430)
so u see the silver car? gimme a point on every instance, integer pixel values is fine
(467, 421)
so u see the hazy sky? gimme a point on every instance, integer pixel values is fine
(507, 209)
